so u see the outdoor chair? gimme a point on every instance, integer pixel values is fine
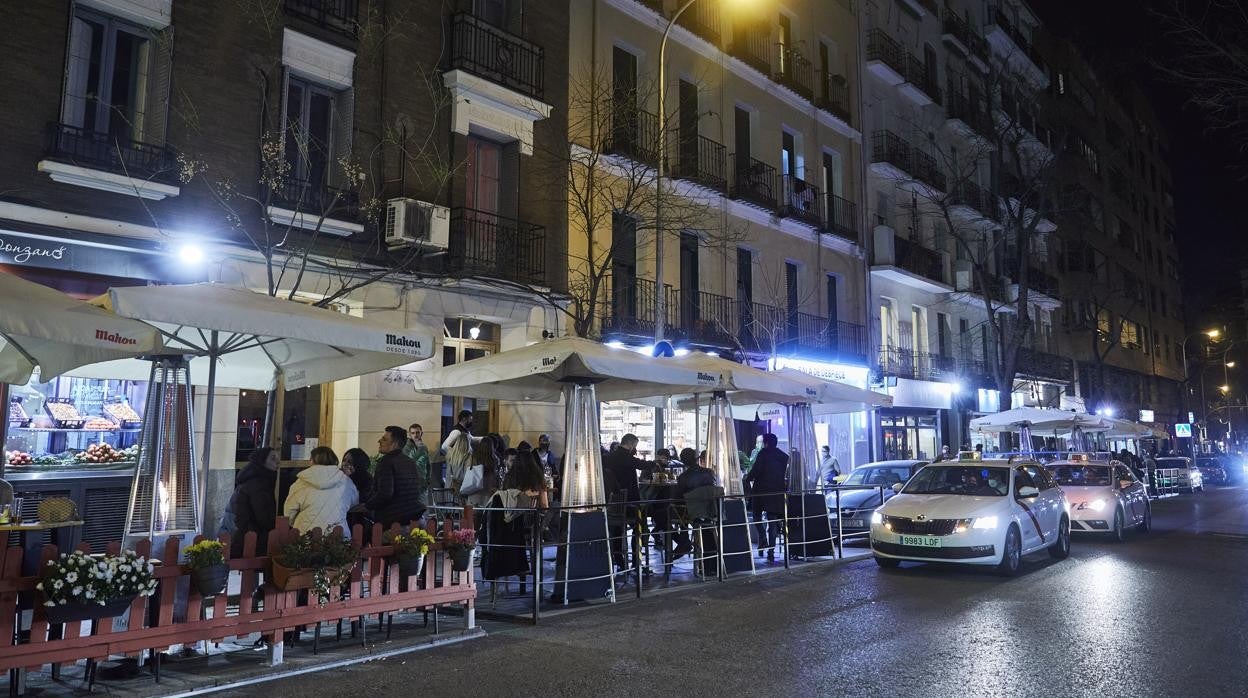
(702, 513)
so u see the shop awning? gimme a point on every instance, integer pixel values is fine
(43, 328)
(539, 372)
(254, 335)
(1037, 419)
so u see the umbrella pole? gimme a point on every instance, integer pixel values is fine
(210, 399)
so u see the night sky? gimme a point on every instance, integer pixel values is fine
(1123, 38)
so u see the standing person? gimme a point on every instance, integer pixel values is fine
(769, 481)
(829, 466)
(419, 453)
(483, 457)
(546, 459)
(322, 495)
(396, 484)
(620, 477)
(457, 448)
(254, 502)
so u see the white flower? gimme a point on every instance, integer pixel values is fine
(57, 584)
(39, 586)
(71, 577)
(62, 602)
(90, 593)
(77, 591)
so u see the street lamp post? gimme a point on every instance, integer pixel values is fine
(1187, 376)
(660, 299)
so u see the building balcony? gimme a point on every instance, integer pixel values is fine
(908, 263)
(488, 245)
(755, 182)
(317, 207)
(920, 86)
(963, 39)
(892, 155)
(834, 97)
(801, 202)
(1043, 365)
(794, 71)
(631, 307)
(905, 362)
(968, 116)
(762, 328)
(751, 44)
(971, 203)
(115, 154)
(815, 334)
(634, 134)
(1042, 286)
(702, 161)
(886, 58)
(1008, 41)
(842, 218)
(706, 319)
(704, 20)
(926, 169)
(335, 15)
(491, 53)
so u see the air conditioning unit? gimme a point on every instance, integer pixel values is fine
(419, 223)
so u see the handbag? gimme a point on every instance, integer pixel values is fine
(474, 480)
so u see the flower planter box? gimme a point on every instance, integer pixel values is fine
(210, 581)
(461, 559)
(410, 565)
(295, 579)
(77, 612)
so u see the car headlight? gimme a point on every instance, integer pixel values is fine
(985, 522)
(877, 518)
(1097, 505)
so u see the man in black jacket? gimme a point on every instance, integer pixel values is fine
(620, 475)
(397, 483)
(769, 481)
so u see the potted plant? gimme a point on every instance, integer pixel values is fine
(410, 550)
(205, 561)
(78, 586)
(459, 544)
(314, 561)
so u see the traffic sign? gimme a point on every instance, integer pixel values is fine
(1183, 430)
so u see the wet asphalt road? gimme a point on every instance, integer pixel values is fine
(1162, 614)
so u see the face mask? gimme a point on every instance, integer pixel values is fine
(992, 484)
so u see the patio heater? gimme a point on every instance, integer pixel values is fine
(721, 456)
(585, 555)
(811, 534)
(164, 493)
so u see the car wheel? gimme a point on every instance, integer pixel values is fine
(1060, 550)
(887, 563)
(1011, 554)
(1147, 524)
(1119, 533)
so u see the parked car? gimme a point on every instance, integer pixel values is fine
(1177, 472)
(977, 512)
(1104, 497)
(854, 506)
(1213, 470)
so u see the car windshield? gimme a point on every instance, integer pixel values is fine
(1171, 462)
(1081, 475)
(1208, 463)
(883, 475)
(973, 480)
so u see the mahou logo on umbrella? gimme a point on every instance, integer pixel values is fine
(402, 344)
(115, 338)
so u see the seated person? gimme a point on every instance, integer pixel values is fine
(695, 475)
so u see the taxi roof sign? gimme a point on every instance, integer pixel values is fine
(970, 456)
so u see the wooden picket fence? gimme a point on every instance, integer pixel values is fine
(374, 589)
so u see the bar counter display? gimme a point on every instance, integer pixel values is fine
(73, 424)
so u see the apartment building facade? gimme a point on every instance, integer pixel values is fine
(248, 134)
(763, 248)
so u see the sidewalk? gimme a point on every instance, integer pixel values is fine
(232, 664)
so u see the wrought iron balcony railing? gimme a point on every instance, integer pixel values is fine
(336, 15)
(917, 73)
(634, 134)
(884, 48)
(842, 218)
(794, 71)
(314, 199)
(702, 160)
(751, 43)
(958, 28)
(631, 307)
(970, 110)
(496, 55)
(888, 147)
(115, 154)
(756, 182)
(834, 97)
(493, 246)
(703, 19)
(915, 258)
(802, 201)
(927, 170)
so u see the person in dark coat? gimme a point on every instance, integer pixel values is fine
(504, 540)
(254, 501)
(769, 481)
(397, 490)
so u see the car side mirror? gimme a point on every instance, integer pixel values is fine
(897, 486)
(1028, 492)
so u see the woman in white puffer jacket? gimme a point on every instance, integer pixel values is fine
(321, 495)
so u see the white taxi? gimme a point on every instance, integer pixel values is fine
(978, 512)
(1105, 497)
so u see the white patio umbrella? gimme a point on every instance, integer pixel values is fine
(1035, 418)
(242, 339)
(43, 328)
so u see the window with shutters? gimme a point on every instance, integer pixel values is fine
(114, 105)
